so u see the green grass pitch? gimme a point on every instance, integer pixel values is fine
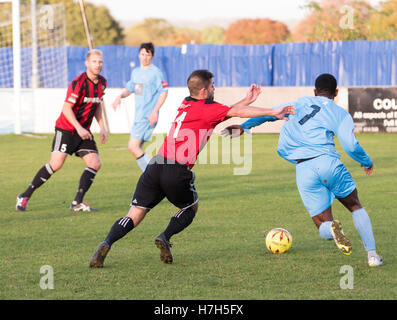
(220, 256)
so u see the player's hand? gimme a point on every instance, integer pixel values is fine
(153, 118)
(252, 94)
(116, 103)
(84, 134)
(233, 131)
(369, 170)
(104, 136)
(283, 112)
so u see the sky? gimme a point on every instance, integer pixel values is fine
(209, 10)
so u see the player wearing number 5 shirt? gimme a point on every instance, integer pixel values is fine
(169, 173)
(72, 132)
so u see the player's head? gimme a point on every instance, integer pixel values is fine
(201, 85)
(326, 86)
(146, 54)
(94, 61)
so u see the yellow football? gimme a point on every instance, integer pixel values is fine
(278, 240)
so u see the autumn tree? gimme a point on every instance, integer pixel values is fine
(331, 20)
(184, 35)
(158, 31)
(161, 33)
(213, 35)
(103, 27)
(256, 31)
(383, 23)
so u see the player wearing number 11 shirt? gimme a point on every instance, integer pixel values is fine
(169, 173)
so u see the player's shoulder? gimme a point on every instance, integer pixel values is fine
(321, 102)
(135, 71)
(157, 72)
(213, 104)
(102, 80)
(301, 101)
(77, 82)
(333, 112)
(80, 77)
(202, 103)
(155, 68)
(210, 102)
(335, 108)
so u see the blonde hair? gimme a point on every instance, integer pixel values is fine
(93, 51)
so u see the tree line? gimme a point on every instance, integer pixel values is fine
(326, 20)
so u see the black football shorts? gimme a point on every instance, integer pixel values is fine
(171, 180)
(67, 142)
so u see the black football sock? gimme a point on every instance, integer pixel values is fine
(86, 180)
(179, 221)
(41, 177)
(119, 229)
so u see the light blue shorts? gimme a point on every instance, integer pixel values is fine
(142, 130)
(321, 180)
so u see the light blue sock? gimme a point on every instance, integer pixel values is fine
(363, 225)
(325, 230)
(143, 161)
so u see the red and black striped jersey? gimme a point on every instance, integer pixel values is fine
(85, 96)
(191, 129)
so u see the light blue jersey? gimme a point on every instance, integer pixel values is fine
(310, 132)
(147, 84)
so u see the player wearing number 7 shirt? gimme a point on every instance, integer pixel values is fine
(307, 141)
(169, 173)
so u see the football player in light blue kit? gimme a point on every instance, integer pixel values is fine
(150, 89)
(307, 140)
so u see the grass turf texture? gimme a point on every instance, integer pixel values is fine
(221, 255)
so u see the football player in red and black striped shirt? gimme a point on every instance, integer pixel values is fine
(169, 173)
(72, 132)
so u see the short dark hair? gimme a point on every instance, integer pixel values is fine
(148, 46)
(198, 80)
(326, 84)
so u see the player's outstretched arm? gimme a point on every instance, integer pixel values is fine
(237, 130)
(248, 112)
(252, 112)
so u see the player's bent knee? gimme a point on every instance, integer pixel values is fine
(92, 161)
(136, 151)
(96, 165)
(56, 165)
(135, 147)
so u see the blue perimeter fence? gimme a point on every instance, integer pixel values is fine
(354, 63)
